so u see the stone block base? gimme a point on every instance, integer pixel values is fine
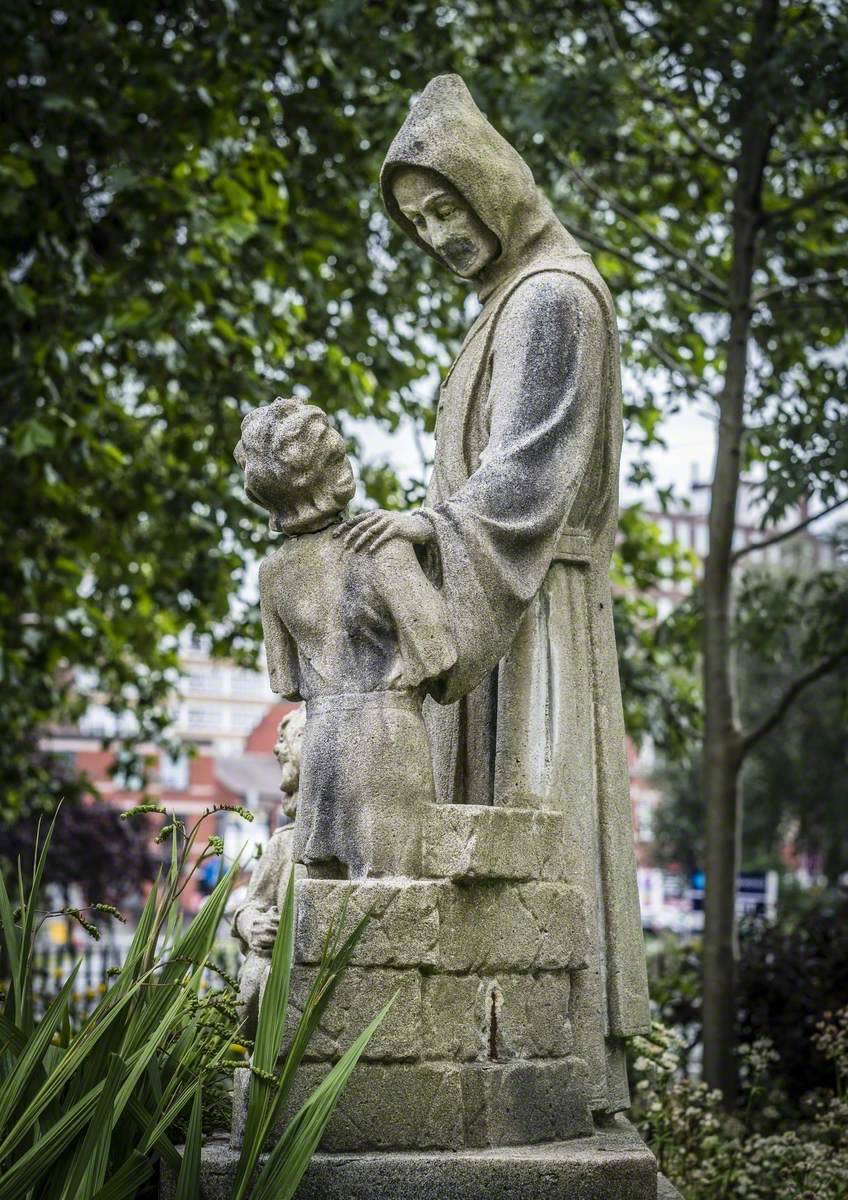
(442, 926)
(614, 1164)
(442, 1106)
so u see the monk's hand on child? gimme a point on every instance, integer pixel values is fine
(264, 930)
(370, 530)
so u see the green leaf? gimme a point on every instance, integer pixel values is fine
(34, 1164)
(30, 437)
(82, 1046)
(127, 1180)
(14, 1039)
(30, 1061)
(88, 1166)
(283, 1170)
(263, 1096)
(188, 1183)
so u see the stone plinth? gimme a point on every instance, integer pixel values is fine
(467, 841)
(478, 1048)
(612, 1165)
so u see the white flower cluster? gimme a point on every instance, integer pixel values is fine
(712, 1155)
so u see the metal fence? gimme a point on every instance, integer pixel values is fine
(52, 967)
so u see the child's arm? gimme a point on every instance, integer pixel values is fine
(280, 650)
(424, 633)
(262, 889)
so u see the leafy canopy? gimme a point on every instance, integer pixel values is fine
(192, 225)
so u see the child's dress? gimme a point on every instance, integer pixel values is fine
(359, 637)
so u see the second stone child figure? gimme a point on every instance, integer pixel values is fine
(360, 638)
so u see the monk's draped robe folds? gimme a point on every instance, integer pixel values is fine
(524, 507)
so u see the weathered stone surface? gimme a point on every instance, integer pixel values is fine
(510, 927)
(478, 927)
(361, 993)
(472, 841)
(403, 930)
(613, 1165)
(455, 1017)
(358, 637)
(547, 732)
(520, 1102)
(444, 1106)
(384, 1106)
(471, 1017)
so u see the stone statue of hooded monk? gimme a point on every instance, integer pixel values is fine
(518, 531)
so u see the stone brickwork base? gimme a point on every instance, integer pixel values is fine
(440, 1106)
(614, 1164)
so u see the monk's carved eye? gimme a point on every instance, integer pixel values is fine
(445, 210)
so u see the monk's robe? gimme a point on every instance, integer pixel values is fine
(523, 504)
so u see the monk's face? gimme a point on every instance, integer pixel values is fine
(445, 222)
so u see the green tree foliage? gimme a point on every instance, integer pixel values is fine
(794, 778)
(192, 225)
(88, 841)
(711, 180)
(792, 973)
(188, 199)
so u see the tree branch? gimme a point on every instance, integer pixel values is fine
(794, 285)
(712, 281)
(824, 154)
(750, 738)
(658, 98)
(773, 215)
(593, 239)
(785, 533)
(693, 383)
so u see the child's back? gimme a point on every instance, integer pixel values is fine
(356, 636)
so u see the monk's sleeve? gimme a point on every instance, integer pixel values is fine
(496, 536)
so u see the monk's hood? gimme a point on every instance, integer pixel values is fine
(447, 133)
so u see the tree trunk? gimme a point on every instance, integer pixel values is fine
(722, 747)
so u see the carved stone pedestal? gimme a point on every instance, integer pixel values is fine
(471, 1087)
(478, 1048)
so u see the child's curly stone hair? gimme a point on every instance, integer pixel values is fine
(294, 465)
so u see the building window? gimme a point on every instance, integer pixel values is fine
(644, 820)
(243, 720)
(249, 684)
(199, 681)
(174, 772)
(202, 717)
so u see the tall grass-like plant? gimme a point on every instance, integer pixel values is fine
(87, 1111)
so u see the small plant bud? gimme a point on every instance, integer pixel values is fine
(142, 808)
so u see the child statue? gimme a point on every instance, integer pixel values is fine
(256, 921)
(360, 638)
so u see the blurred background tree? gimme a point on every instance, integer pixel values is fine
(88, 840)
